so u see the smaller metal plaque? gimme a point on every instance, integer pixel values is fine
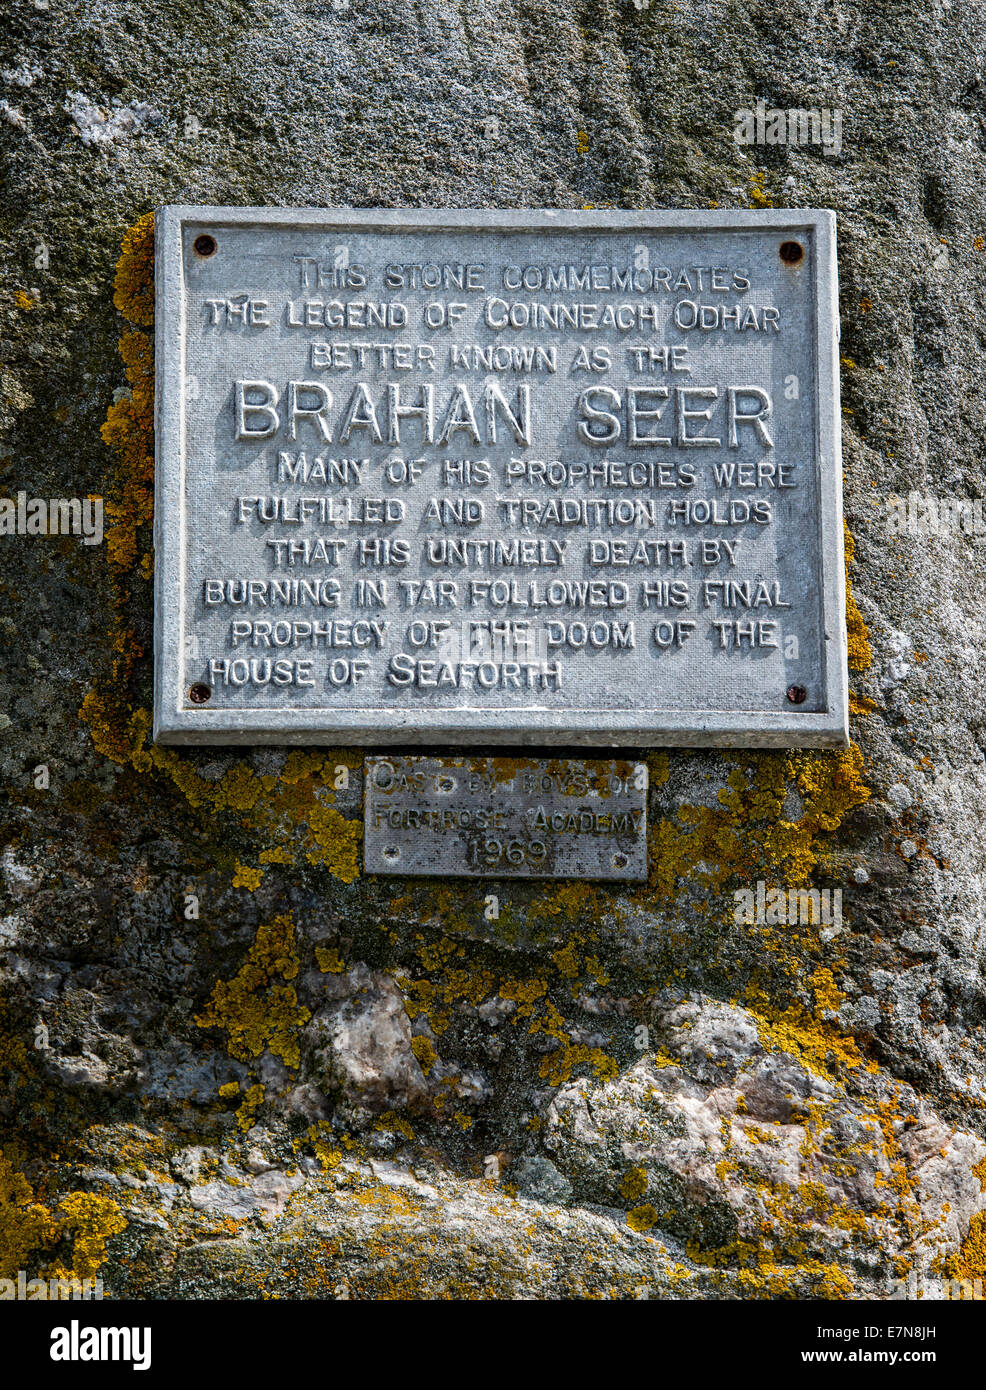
(506, 817)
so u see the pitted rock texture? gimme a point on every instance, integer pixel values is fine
(733, 1141)
(230, 1066)
(361, 1043)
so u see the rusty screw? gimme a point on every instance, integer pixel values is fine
(791, 252)
(205, 246)
(797, 694)
(199, 693)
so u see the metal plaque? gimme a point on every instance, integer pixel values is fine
(498, 478)
(506, 817)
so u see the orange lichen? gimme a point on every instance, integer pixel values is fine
(979, 1171)
(134, 282)
(968, 1264)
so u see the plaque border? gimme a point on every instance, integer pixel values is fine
(492, 726)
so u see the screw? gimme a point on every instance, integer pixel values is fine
(791, 252)
(205, 246)
(797, 694)
(199, 693)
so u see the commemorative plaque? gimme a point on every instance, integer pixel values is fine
(498, 478)
(506, 817)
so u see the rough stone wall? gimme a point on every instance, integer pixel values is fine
(321, 1086)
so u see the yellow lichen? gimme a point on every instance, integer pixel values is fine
(294, 809)
(634, 1184)
(968, 1264)
(253, 1098)
(858, 634)
(748, 831)
(245, 877)
(819, 1045)
(979, 1171)
(28, 1226)
(425, 1053)
(24, 1223)
(861, 705)
(278, 855)
(642, 1218)
(258, 1008)
(558, 1066)
(337, 842)
(396, 1124)
(92, 1220)
(129, 431)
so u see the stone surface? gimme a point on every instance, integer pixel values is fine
(732, 1143)
(176, 920)
(361, 1044)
